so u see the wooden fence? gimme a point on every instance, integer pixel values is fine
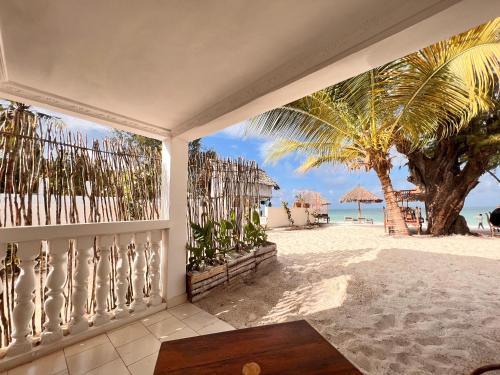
(216, 187)
(51, 175)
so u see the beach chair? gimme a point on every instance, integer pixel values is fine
(348, 218)
(494, 229)
(485, 369)
(369, 221)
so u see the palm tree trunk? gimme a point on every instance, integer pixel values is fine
(393, 211)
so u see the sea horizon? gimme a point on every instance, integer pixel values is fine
(377, 214)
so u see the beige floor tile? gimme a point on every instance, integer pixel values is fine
(127, 334)
(218, 326)
(116, 367)
(90, 359)
(179, 334)
(138, 349)
(145, 366)
(48, 365)
(166, 327)
(155, 318)
(200, 320)
(84, 345)
(184, 311)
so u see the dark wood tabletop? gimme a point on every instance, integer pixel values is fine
(287, 348)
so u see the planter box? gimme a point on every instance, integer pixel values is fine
(200, 284)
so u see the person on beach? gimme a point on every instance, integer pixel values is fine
(480, 221)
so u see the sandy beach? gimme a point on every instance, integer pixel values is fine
(416, 305)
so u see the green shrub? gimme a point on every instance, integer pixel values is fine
(255, 234)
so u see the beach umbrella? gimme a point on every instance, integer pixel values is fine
(360, 195)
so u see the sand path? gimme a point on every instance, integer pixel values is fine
(391, 305)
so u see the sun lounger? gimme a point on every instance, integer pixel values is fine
(325, 217)
(348, 218)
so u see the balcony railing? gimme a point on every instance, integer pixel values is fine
(64, 283)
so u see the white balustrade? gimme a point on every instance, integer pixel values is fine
(58, 257)
(84, 247)
(24, 306)
(122, 275)
(81, 239)
(154, 268)
(104, 244)
(139, 272)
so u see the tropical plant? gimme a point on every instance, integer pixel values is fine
(204, 250)
(235, 231)
(422, 98)
(288, 213)
(255, 234)
(224, 235)
(346, 123)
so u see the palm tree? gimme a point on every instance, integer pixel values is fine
(412, 101)
(341, 124)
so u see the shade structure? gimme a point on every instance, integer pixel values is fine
(360, 195)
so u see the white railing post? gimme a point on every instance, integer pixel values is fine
(122, 270)
(154, 268)
(139, 271)
(24, 306)
(58, 257)
(104, 244)
(83, 246)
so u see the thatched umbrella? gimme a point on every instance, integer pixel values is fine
(360, 195)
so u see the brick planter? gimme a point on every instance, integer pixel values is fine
(200, 284)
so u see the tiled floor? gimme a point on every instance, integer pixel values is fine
(132, 349)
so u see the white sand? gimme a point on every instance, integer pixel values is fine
(415, 305)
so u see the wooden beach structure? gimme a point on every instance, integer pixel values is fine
(360, 195)
(411, 215)
(316, 204)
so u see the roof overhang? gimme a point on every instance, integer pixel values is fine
(191, 68)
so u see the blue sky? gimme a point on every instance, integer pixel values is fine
(331, 181)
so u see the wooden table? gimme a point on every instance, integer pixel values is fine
(287, 348)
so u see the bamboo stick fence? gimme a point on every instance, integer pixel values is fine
(218, 186)
(51, 175)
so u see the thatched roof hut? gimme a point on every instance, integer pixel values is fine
(360, 195)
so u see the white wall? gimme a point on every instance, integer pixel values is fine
(276, 217)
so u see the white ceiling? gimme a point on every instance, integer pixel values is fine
(195, 66)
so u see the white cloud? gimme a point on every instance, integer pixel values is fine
(264, 149)
(239, 131)
(235, 131)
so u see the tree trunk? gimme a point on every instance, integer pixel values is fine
(393, 211)
(446, 185)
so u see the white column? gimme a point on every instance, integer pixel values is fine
(24, 306)
(174, 208)
(79, 322)
(154, 268)
(58, 258)
(139, 272)
(122, 271)
(104, 244)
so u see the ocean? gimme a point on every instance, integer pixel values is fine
(377, 214)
